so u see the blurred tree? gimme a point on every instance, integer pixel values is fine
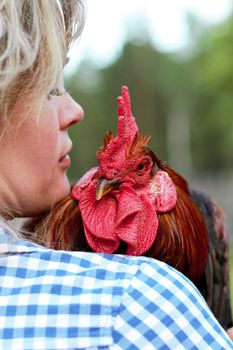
(212, 112)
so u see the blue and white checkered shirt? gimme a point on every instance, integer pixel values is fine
(76, 300)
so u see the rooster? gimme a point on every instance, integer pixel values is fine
(133, 203)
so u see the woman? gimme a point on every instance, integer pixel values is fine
(63, 300)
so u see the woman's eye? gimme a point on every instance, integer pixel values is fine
(54, 92)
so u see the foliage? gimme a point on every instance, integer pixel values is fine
(231, 277)
(213, 71)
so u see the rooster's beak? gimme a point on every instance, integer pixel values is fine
(105, 186)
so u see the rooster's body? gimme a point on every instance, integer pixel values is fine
(133, 203)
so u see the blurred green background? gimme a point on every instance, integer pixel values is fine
(183, 99)
(231, 278)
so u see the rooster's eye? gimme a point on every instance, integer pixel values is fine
(140, 168)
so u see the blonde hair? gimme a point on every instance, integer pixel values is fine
(35, 36)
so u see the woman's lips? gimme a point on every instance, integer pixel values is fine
(65, 161)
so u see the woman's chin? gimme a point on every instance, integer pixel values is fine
(42, 199)
(62, 190)
(50, 199)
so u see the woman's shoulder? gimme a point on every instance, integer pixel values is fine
(102, 273)
(55, 299)
(109, 268)
(122, 273)
(76, 261)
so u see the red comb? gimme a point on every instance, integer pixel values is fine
(127, 127)
(113, 156)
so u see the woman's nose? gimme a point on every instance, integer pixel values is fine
(71, 112)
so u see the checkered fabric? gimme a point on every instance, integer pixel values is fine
(76, 300)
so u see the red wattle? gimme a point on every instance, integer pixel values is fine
(137, 222)
(122, 215)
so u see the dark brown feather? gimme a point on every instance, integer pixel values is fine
(214, 284)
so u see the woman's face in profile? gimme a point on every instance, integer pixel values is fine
(34, 156)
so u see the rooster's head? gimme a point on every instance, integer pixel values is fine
(119, 200)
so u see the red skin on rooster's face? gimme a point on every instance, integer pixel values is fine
(124, 208)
